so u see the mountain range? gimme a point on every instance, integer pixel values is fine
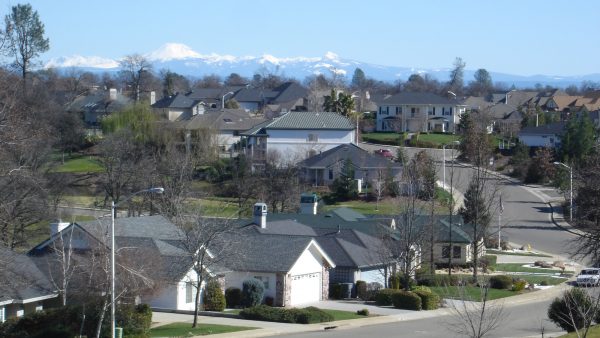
(182, 59)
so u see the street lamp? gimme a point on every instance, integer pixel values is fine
(352, 96)
(223, 100)
(444, 162)
(113, 206)
(571, 192)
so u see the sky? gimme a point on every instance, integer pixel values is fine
(523, 37)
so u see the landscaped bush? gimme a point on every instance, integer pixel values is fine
(335, 291)
(394, 281)
(383, 297)
(214, 299)
(361, 289)
(439, 280)
(307, 315)
(519, 285)
(544, 283)
(363, 312)
(572, 310)
(429, 300)
(420, 288)
(134, 319)
(501, 282)
(233, 297)
(406, 300)
(252, 292)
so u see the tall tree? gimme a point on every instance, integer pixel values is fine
(135, 70)
(578, 140)
(25, 37)
(359, 79)
(173, 83)
(482, 85)
(456, 82)
(340, 103)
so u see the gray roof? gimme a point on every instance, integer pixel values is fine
(156, 227)
(547, 129)
(360, 158)
(99, 102)
(222, 119)
(311, 120)
(417, 98)
(21, 280)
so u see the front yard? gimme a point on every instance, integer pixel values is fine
(186, 330)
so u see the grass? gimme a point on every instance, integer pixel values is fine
(186, 330)
(80, 164)
(594, 332)
(389, 138)
(439, 139)
(215, 207)
(535, 279)
(472, 292)
(517, 267)
(508, 253)
(81, 200)
(342, 315)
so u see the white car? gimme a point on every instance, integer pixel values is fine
(589, 277)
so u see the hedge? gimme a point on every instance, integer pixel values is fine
(307, 315)
(233, 297)
(406, 300)
(501, 282)
(429, 300)
(335, 291)
(252, 292)
(214, 300)
(361, 289)
(383, 297)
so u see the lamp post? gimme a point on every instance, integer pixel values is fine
(444, 162)
(113, 206)
(353, 96)
(223, 100)
(571, 190)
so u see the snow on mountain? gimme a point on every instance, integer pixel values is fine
(182, 59)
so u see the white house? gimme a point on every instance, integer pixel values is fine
(543, 136)
(298, 135)
(418, 112)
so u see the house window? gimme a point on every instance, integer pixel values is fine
(189, 293)
(431, 111)
(456, 251)
(265, 281)
(400, 110)
(330, 174)
(414, 111)
(313, 138)
(387, 110)
(445, 251)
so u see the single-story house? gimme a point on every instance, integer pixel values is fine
(98, 104)
(542, 136)
(23, 287)
(460, 245)
(324, 168)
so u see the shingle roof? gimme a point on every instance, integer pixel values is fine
(21, 280)
(360, 158)
(547, 129)
(225, 119)
(98, 101)
(417, 98)
(311, 120)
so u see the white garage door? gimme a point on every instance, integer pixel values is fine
(306, 288)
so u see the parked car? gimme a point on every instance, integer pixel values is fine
(384, 152)
(589, 277)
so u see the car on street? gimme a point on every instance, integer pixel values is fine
(588, 277)
(384, 152)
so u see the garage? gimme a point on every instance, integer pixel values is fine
(306, 288)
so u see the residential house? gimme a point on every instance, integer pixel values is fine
(324, 168)
(98, 104)
(418, 112)
(298, 135)
(455, 240)
(24, 289)
(289, 96)
(543, 136)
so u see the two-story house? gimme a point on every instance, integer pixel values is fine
(418, 112)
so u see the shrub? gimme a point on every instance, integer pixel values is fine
(335, 291)
(429, 300)
(361, 289)
(439, 280)
(269, 301)
(501, 282)
(233, 297)
(544, 283)
(252, 292)
(383, 297)
(394, 281)
(134, 319)
(214, 299)
(420, 288)
(488, 262)
(519, 285)
(569, 312)
(307, 315)
(406, 300)
(311, 315)
(363, 312)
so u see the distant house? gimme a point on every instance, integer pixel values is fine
(289, 96)
(324, 168)
(418, 112)
(98, 104)
(298, 135)
(24, 289)
(543, 136)
(455, 240)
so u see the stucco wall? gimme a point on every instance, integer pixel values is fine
(237, 278)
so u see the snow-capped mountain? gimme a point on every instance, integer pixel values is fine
(184, 60)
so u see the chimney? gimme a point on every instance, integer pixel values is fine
(112, 94)
(309, 203)
(152, 97)
(57, 227)
(260, 215)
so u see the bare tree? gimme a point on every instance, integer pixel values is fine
(378, 185)
(136, 69)
(62, 265)
(475, 318)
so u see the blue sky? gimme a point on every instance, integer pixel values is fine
(518, 37)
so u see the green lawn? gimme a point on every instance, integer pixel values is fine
(215, 207)
(185, 330)
(517, 267)
(343, 315)
(382, 138)
(390, 206)
(535, 279)
(530, 254)
(594, 332)
(472, 292)
(439, 139)
(83, 164)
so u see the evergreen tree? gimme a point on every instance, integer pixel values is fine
(344, 186)
(578, 140)
(358, 79)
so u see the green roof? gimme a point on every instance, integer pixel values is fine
(311, 120)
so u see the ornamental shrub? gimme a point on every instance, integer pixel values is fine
(572, 310)
(252, 292)
(233, 297)
(363, 312)
(361, 289)
(501, 282)
(420, 288)
(429, 300)
(214, 299)
(307, 315)
(519, 285)
(134, 319)
(383, 297)
(335, 291)
(406, 300)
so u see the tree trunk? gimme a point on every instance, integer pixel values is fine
(197, 300)
(101, 319)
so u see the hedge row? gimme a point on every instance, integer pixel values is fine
(307, 315)
(406, 300)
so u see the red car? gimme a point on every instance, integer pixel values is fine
(384, 152)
